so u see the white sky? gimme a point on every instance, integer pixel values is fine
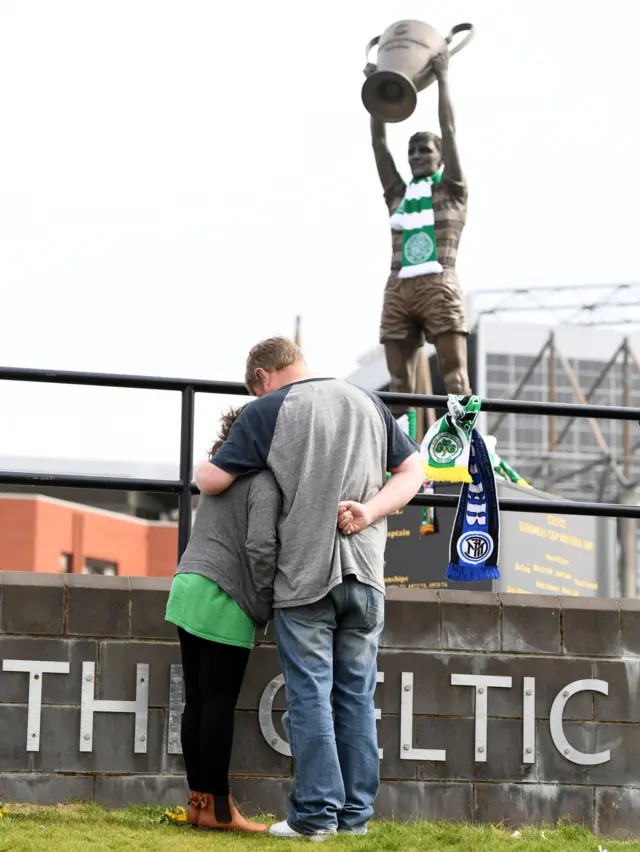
(179, 179)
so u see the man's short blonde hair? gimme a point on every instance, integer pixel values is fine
(270, 355)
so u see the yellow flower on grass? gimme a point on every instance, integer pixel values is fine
(177, 815)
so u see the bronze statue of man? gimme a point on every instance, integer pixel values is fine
(419, 306)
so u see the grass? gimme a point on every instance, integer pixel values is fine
(87, 828)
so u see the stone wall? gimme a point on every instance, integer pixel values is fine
(478, 679)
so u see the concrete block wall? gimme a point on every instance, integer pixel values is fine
(440, 656)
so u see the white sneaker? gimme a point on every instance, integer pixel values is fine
(283, 829)
(362, 830)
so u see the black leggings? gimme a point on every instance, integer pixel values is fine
(213, 675)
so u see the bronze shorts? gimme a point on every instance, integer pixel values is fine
(422, 307)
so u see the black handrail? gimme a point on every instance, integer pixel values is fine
(97, 483)
(164, 383)
(119, 380)
(189, 387)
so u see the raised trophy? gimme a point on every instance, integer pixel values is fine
(405, 51)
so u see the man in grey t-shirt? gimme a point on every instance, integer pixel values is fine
(329, 446)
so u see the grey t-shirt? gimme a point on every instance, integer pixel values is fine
(324, 441)
(234, 542)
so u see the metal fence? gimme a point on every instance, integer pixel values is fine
(184, 487)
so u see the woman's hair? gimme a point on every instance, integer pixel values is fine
(226, 422)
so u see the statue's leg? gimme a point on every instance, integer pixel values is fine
(402, 363)
(401, 340)
(451, 349)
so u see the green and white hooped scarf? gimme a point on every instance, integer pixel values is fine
(414, 217)
(500, 466)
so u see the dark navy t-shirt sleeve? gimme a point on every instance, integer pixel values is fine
(247, 448)
(399, 444)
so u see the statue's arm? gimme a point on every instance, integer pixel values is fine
(387, 171)
(390, 178)
(392, 183)
(450, 156)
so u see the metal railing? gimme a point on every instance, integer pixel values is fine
(184, 487)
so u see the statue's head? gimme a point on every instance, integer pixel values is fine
(425, 154)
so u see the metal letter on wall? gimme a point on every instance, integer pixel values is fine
(556, 722)
(89, 705)
(529, 720)
(379, 679)
(482, 684)
(35, 669)
(176, 709)
(265, 717)
(407, 751)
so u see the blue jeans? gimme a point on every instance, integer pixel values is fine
(330, 647)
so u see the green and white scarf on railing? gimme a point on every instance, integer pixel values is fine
(414, 217)
(500, 466)
(446, 448)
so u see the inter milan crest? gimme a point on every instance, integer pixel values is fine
(475, 547)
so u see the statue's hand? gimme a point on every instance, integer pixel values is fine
(440, 64)
(370, 69)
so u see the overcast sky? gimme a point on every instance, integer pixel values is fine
(180, 179)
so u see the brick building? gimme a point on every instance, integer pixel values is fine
(79, 531)
(44, 534)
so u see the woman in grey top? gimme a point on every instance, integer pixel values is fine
(222, 589)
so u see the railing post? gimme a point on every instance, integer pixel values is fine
(186, 465)
(628, 540)
(626, 401)
(551, 395)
